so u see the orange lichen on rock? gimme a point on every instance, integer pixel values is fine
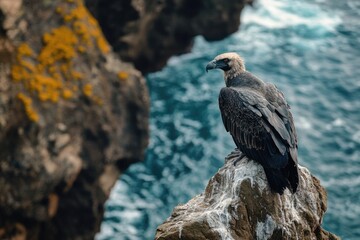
(88, 90)
(50, 74)
(77, 75)
(30, 112)
(25, 50)
(123, 75)
(87, 28)
(103, 45)
(46, 88)
(59, 45)
(40, 74)
(67, 94)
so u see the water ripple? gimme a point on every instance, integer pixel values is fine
(310, 50)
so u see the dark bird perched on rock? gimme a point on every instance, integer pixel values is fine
(259, 120)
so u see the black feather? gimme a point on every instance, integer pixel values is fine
(262, 127)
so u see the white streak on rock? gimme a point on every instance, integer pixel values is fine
(238, 204)
(264, 230)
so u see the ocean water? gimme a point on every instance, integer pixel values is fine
(310, 50)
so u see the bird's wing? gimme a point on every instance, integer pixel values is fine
(253, 121)
(277, 100)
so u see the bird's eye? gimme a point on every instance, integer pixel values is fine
(226, 60)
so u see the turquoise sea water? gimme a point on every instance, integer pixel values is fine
(310, 50)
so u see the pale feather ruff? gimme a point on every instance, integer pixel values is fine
(237, 64)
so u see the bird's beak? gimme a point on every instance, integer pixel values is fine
(211, 65)
(217, 64)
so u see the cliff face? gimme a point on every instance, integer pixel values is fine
(72, 115)
(153, 31)
(237, 204)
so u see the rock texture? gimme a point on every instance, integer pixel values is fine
(72, 116)
(149, 32)
(237, 204)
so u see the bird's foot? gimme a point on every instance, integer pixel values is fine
(234, 153)
(242, 155)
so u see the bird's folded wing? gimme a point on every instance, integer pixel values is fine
(237, 104)
(277, 99)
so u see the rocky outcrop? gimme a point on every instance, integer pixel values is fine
(72, 116)
(148, 33)
(237, 204)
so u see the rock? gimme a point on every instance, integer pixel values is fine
(72, 114)
(72, 117)
(237, 204)
(148, 33)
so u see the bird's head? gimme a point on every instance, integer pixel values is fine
(231, 63)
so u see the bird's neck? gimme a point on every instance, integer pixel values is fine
(244, 79)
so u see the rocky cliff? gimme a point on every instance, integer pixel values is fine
(237, 204)
(72, 115)
(148, 33)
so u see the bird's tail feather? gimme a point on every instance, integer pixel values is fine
(293, 175)
(277, 180)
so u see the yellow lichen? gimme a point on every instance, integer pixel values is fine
(46, 88)
(122, 75)
(77, 75)
(19, 73)
(25, 50)
(103, 45)
(30, 112)
(67, 94)
(85, 25)
(88, 90)
(49, 75)
(81, 49)
(59, 45)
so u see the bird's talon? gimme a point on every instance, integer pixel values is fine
(239, 159)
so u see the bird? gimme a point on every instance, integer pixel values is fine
(258, 118)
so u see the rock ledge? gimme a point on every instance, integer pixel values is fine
(237, 204)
